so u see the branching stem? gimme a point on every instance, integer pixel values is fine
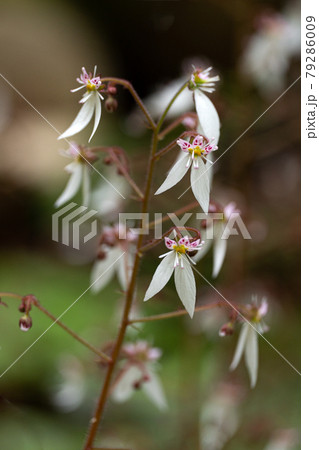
(95, 421)
(36, 304)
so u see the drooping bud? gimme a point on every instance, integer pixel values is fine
(25, 323)
(227, 329)
(111, 89)
(111, 104)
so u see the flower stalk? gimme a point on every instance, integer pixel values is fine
(95, 421)
(182, 312)
(36, 304)
(135, 95)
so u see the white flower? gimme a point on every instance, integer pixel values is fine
(208, 118)
(139, 372)
(216, 229)
(178, 261)
(91, 104)
(248, 339)
(111, 259)
(79, 171)
(268, 53)
(195, 158)
(219, 416)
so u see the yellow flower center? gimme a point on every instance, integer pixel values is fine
(196, 150)
(198, 79)
(179, 248)
(90, 86)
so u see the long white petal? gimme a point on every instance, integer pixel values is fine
(207, 116)
(251, 355)
(210, 158)
(73, 184)
(240, 345)
(82, 119)
(161, 276)
(125, 387)
(201, 184)
(154, 390)
(86, 184)
(175, 174)
(205, 247)
(97, 116)
(104, 269)
(186, 286)
(219, 250)
(124, 270)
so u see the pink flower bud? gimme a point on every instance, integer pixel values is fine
(227, 329)
(25, 323)
(111, 104)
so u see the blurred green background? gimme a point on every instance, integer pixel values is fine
(44, 46)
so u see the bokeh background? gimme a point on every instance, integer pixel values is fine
(48, 396)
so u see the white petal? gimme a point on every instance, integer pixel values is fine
(186, 286)
(161, 276)
(124, 270)
(86, 184)
(251, 355)
(82, 119)
(201, 184)
(175, 174)
(240, 345)
(97, 114)
(207, 116)
(78, 88)
(154, 390)
(219, 250)
(210, 158)
(104, 269)
(73, 184)
(125, 387)
(205, 247)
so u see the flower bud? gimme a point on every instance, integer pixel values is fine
(111, 104)
(227, 329)
(25, 323)
(89, 156)
(111, 89)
